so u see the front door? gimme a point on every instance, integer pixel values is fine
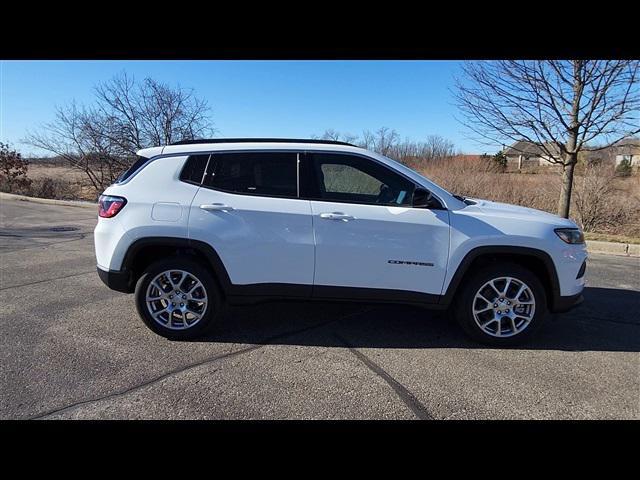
(367, 234)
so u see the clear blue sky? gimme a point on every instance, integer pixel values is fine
(256, 98)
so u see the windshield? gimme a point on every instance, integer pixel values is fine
(411, 172)
(401, 165)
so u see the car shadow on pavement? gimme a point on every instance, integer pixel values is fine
(608, 320)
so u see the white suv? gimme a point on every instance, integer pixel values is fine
(195, 224)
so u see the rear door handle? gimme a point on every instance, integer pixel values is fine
(336, 216)
(216, 207)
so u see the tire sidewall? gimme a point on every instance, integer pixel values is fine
(214, 303)
(463, 310)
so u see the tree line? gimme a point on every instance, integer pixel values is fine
(563, 106)
(386, 141)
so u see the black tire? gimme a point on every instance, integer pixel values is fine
(462, 308)
(214, 298)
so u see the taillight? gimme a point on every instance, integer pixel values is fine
(109, 206)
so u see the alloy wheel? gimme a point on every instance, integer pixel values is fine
(176, 299)
(504, 307)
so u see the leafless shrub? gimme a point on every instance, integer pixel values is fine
(13, 170)
(55, 188)
(600, 203)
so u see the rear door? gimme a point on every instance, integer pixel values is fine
(368, 235)
(249, 211)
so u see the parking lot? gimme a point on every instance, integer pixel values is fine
(71, 348)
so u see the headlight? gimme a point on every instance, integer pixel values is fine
(570, 235)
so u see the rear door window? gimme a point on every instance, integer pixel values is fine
(254, 173)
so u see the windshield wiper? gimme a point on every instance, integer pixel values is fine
(464, 199)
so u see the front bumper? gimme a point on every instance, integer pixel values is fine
(116, 280)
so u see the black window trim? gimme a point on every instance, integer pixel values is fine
(299, 152)
(298, 175)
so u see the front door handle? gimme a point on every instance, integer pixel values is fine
(216, 207)
(336, 216)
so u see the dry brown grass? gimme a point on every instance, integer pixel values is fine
(602, 202)
(479, 179)
(606, 237)
(59, 181)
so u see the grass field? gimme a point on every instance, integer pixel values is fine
(602, 202)
(603, 237)
(60, 181)
(606, 205)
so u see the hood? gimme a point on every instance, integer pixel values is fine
(506, 210)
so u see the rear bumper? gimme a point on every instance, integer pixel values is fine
(116, 280)
(564, 304)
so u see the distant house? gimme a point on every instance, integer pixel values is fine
(524, 155)
(627, 149)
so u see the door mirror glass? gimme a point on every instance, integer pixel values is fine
(423, 198)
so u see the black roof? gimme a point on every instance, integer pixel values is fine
(260, 140)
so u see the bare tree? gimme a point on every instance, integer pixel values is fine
(436, 147)
(101, 139)
(367, 141)
(559, 105)
(331, 134)
(384, 140)
(80, 136)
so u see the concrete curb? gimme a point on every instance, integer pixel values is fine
(613, 248)
(48, 201)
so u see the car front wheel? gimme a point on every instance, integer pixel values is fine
(501, 305)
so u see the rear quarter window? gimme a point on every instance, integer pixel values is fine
(139, 161)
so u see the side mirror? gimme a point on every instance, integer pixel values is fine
(423, 199)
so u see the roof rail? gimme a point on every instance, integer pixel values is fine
(260, 140)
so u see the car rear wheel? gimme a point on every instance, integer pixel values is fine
(501, 305)
(177, 298)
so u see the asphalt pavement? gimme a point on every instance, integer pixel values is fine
(71, 348)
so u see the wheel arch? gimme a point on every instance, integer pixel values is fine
(538, 261)
(142, 252)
